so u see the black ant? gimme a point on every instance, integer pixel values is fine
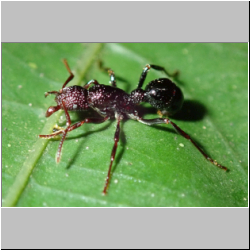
(110, 101)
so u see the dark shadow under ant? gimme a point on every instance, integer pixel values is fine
(191, 111)
(112, 102)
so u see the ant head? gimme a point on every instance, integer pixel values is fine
(164, 95)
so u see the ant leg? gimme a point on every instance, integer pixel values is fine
(71, 74)
(143, 76)
(110, 72)
(51, 135)
(116, 139)
(69, 129)
(51, 92)
(112, 77)
(181, 132)
(87, 85)
(64, 132)
(148, 67)
(68, 123)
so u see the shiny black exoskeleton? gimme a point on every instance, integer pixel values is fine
(110, 101)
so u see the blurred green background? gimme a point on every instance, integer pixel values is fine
(154, 166)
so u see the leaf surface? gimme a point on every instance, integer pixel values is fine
(154, 166)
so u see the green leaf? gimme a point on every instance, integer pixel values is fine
(154, 166)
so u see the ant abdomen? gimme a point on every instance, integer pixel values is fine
(164, 95)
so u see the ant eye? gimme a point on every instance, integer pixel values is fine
(152, 92)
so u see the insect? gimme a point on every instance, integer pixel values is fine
(110, 101)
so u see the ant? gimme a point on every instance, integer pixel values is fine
(109, 101)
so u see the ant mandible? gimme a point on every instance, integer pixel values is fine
(110, 101)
